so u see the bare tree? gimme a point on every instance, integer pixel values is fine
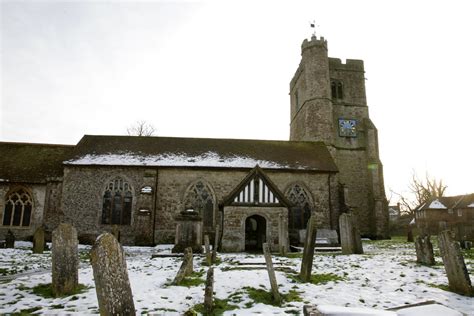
(141, 128)
(420, 191)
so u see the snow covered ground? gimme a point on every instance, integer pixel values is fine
(385, 276)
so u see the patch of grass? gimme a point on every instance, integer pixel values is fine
(293, 255)
(45, 290)
(265, 297)
(321, 278)
(27, 311)
(195, 279)
(220, 306)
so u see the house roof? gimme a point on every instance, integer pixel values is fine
(448, 202)
(201, 152)
(34, 163)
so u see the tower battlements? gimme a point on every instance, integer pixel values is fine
(350, 64)
(314, 41)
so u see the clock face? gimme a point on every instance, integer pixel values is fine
(347, 128)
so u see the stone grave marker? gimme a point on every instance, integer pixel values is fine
(9, 240)
(424, 250)
(116, 232)
(271, 273)
(308, 251)
(208, 250)
(38, 240)
(65, 260)
(351, 242)
(186, 266)
(188, 231)
(111, 277)
(216, 243)
(209, 291)
(458, 277)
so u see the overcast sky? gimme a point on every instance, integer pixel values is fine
(222, 69)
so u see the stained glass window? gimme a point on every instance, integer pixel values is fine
(117, 203)
(200, 198)
(301, 211)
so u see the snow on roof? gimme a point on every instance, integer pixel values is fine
(412, 222)
(437, 204)
(471, 205)
(208, 159)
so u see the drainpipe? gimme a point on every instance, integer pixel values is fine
(154, 206)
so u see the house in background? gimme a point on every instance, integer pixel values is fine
(455, 213)
(394, 212)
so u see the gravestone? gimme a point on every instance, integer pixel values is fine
(271, 273)
(116, 232)
(65, 260)
(458, 277)
(208, 250)
(424, 250)
(410, 235)
(186, 267)
(308, 251)
(351, 242)
(9, 240)
(111, 277)
(38, 240)
(216, 243)
(327, 237)
(209, 291)
(188, 232)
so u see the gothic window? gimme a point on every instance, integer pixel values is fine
(117, 203)
(301, 211)
(337, 90)
(200, 199)
(18, 207)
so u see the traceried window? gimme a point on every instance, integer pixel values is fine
(18, 207)
(337, 92)
(301, 211)
(200, 198)
(117, 203)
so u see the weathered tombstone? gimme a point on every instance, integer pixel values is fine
(271, 273)
(308, 251)
(424, 250)
(327, 237)
(65, 260)
(208, 250)
(216, 243)
(186, 266)
(188, 232)
(458, 277)
(209, 291)
(111, 277)
(38, 240)
(350, 237)
(10, 240)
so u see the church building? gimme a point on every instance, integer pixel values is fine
(252, 191)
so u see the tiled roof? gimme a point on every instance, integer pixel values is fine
(202, 152)
(27, 162)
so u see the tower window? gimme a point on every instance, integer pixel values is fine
(337, 90)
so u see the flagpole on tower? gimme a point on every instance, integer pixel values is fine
(313, 25)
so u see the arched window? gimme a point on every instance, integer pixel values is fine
(18, 206)
(337, 90)
(117, 203)
(199, 198)
(301, 211)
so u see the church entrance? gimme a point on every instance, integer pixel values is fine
(255, 232)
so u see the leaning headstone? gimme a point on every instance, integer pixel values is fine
(10, 240)
(410, 235)
(308, 252)
(271, 273)
(454, 265)
(350, 237)
(216, 243)
(424, 250)
(209, 291)
(38, 240)
(186, 266)
(111, 277)
(65, 260)
(208, 250)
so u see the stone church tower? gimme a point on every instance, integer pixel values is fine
(328, 103)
